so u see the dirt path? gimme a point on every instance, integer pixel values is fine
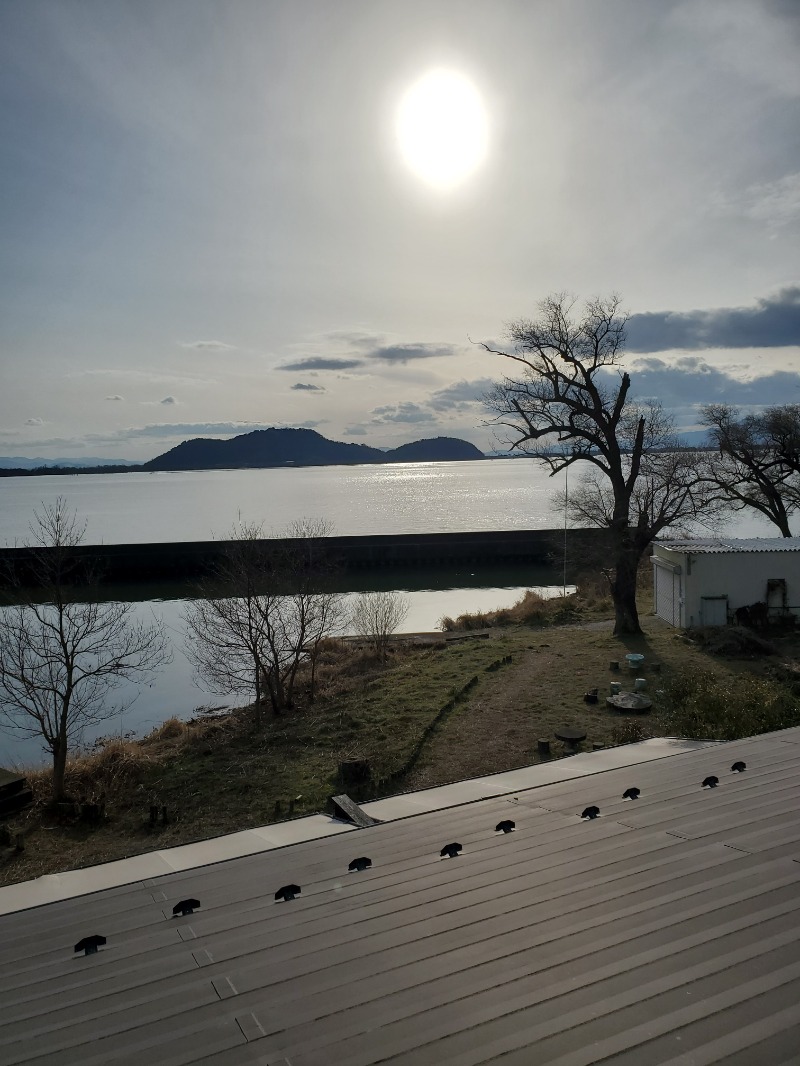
(542, 688)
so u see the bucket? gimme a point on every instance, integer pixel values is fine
(616, 688)
(639, 684)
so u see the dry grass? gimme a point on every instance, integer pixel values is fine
(591, 600)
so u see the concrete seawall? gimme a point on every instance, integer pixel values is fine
(189, 560)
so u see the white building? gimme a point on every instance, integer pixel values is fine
(705, 582)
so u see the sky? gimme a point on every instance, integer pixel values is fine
(223, 215)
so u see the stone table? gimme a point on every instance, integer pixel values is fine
(571, 738)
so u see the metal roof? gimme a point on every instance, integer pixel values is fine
(721, 546)
(666, 930)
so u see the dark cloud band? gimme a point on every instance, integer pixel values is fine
(774, 322)
(402, 353)
(322, 363)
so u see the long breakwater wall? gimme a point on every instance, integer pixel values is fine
(190, 560)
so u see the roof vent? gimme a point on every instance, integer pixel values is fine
(631, 794)
(591, 812)
(90, 944)
(360, 864)
(186, 906)
(506, 826)
(711, 782)
(451, 851)
(738, 767)
(288, 892)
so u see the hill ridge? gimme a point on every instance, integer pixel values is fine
(301, 447)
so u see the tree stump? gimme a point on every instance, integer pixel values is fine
(354, 772)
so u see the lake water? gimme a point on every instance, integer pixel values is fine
(203, 505)
(397, 498)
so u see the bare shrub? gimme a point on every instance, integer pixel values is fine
(376, 616)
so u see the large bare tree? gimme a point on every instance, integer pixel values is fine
(62, 653)
(568, 401)
(264, 612)
(759, 460)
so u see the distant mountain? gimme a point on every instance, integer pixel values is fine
(445, 449)
(301, 447)
(20, 462)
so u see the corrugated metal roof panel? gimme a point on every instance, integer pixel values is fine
(726, 546)
(666, 930)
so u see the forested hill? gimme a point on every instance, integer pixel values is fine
(301, 447)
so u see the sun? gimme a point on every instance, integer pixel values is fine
(442, 128)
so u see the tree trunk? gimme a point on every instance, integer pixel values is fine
(623, 591)
(257, 718)
(276, 693)
(59, 768)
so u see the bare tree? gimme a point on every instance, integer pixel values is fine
(569, 401)
(376, 616)
(60, 656)
(759, 460)
(264, 612)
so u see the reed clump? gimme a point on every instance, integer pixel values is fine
(531, 609)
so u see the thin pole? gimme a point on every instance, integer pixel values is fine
(566, 497)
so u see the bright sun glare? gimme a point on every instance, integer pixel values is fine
(442, 128)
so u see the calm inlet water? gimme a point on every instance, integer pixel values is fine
(202, 505)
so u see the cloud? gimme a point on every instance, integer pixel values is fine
(210, 346)
(148, 377)
(401, 412)
(166, 432)
(355, 431)
(185, 429)
(461, 395)
(773, 322)
(319, 362)
(690, 381)
(776, 203)
(168, 400)
(301, 387)
(356, 338)
(34, 421)
(402, 353)
(198, 429)
(115, 397)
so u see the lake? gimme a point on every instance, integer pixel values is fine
(142, 507)
(203, 505)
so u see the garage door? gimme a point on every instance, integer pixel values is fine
(667, 594)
